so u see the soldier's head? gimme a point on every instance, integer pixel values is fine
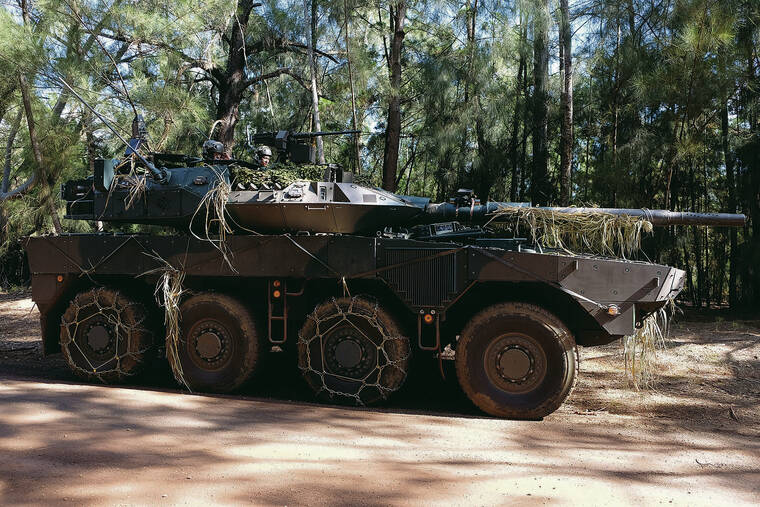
(265, 155)
(213, 150)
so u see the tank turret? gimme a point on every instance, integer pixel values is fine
(167, 189)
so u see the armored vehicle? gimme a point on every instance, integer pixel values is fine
(352, 279)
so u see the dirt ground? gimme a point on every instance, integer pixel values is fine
(694, 439)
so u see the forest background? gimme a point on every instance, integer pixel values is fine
(617, 103)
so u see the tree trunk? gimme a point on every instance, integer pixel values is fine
(689, 277)
(310, 13)
(37, 153)
(696, 237)
(731, 184)
(393, 127)
(567, 137)
(615, 113)
(541, 191)
(232, 86)
(516, 117)
(522, 196)
(6, 93)
(5, 188)
(354, 122)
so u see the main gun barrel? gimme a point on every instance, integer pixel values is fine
(481, 213)
(662, 218)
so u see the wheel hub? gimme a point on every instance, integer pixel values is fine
(514, 363)
(349, 354)
(98, 339)
(208, 345)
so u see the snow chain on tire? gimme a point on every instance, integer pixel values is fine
(389, 349)
(123, 333)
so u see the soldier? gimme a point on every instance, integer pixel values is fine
(214, 150)
(264, 156)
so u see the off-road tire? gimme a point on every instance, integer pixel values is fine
(511, 340)
(375, 357)
(105, 336)
(218, 345)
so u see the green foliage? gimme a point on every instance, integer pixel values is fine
(651, 81)
(280, 175)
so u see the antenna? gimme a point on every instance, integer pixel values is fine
(162, 175)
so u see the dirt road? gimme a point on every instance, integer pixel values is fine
(694, 440)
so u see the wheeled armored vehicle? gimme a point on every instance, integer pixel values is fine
(353, 279)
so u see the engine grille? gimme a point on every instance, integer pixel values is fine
(423, 283)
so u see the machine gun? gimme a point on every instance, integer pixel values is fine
(294, 146)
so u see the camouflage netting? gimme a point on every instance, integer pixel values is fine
(211, 212)
(590, 232)
(640, 348)
(280, 175)
(384, 358)
(105, 336)
(169, 295)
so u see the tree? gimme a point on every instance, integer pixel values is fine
(6, 192)
(397, 11)
(310, 21)
(663, 96)
(518, 113)
(541, 190)
(567, 137)
(354, 123)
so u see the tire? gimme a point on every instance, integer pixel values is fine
(351, 351)
(217, 349)
(516, 360)
(105, 336)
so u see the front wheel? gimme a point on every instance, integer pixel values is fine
(516, 360)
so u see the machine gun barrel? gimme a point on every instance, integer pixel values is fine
(481, 213)
(306, 135)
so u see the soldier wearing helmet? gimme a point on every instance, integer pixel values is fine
(214, 150)
(264, 156)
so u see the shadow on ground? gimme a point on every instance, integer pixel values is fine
(91, 444)
(693, 439)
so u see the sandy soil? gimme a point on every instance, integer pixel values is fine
(692, 440)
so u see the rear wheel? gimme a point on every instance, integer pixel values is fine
(352, 351)
(218, 344)
(105, 336)
(516, 360)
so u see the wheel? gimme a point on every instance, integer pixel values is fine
(105, 336)
(351, 351)
(218, 344)
(516, 360)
